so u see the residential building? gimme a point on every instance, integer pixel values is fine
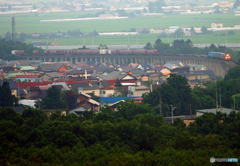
(83, 102)
(214, 111)
(58, 67)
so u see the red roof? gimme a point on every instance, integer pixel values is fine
(25, 76)
(138, 99)
(25, 85)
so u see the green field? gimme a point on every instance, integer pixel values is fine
(140, 39)
(29, 23)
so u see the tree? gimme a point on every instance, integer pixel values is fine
(192, 31)
(144, 10)
(148, 46)
(204, 30)
(53, 99)
(179, 33)
(120, 92)
(8, 36)
(156, 7)
(233, 73)
(95, 33)
(6, 98)
(118, 83)
(236, 4)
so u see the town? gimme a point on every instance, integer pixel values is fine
(119, 82)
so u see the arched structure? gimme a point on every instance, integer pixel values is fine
(218, 66)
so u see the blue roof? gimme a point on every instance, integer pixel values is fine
(114, 99)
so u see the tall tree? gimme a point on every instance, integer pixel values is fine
(6, 98)
(53, 99)
(236, 4)
(156, 7)
(179, 33)
(233, 73)
(148, 46)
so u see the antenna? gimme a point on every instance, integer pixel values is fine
(13, 30)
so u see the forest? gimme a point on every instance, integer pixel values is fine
(131, 136)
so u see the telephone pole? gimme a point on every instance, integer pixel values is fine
(13, 30)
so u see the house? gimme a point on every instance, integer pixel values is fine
(35, 92)
(58, 67)
(89, 89)
(107, 91)
(53, 76)
(173, 65)
(116, 75)
(111, 100)
(79, 73)
(197, 67)
(201, 76)
(121, 68)
(134, 65)
(15, 89)
(26, 78)
(216, 25)
(138, 90)
(26, 68)
(83, 102)
(156, 30)
(214, 111)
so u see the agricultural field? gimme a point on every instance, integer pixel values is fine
(30, 23)
(140, 39)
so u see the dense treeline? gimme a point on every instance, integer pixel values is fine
(177, 92)
(130, 136)
(186, 47)
(6, 48)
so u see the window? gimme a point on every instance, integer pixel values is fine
(100, 92)
(78, 100)
(104, 92)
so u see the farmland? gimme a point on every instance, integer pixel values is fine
(30, 23)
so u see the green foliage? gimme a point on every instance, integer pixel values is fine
(236, 4)
(130, 136)
(148, 46)
(6, 48)
(156, 7)
(233, 73)
(6, 98)
(118, 83)
(53, 99)
(179, 33)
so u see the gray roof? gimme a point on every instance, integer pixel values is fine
(75, 72)
(215, 110)
(50, 67)
(54, 75)
(76, 86)
(111, 76)
(210, 72)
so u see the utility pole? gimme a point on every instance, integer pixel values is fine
(172, 108)
(13, 30)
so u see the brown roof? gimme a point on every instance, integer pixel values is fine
(127, 67)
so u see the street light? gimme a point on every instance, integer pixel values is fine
(172, 108)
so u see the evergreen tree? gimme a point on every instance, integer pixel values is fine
(6, 98)
(53, 99)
